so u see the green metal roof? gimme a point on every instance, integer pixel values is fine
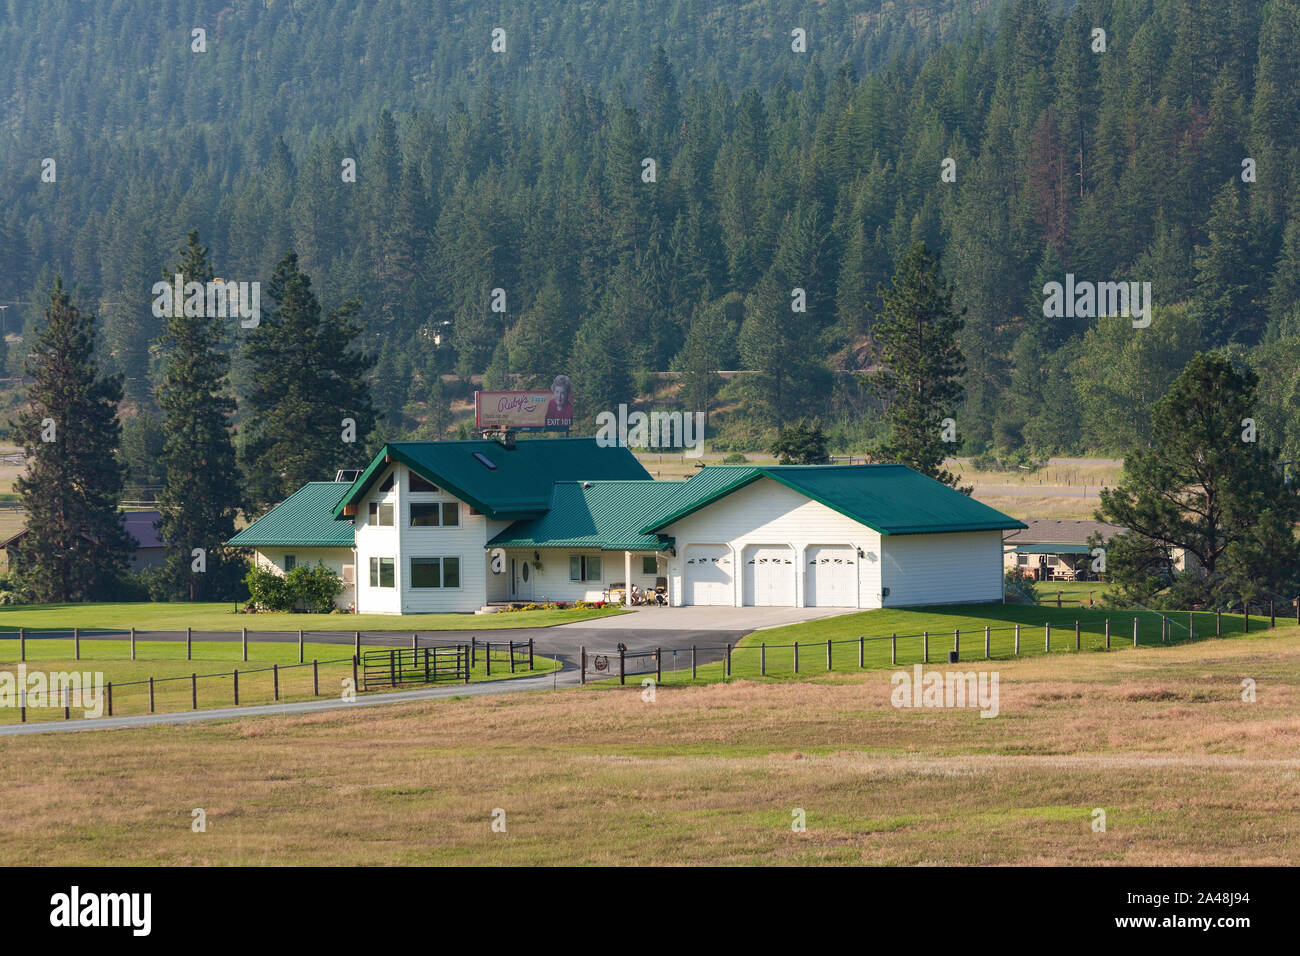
(517, 485)
(599, 514)
(890, 499)
(1051, 549)
(304, 519)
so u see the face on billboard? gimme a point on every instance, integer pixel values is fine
(527, 411)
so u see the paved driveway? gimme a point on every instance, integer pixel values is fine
(731, 619)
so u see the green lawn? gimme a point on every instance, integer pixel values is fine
(969, 621)
(223, 617)
(213, 662)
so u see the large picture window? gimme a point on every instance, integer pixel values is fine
(382, 572)
(583, 567)
(435, 514)
(435, 573)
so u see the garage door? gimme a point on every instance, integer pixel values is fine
(769, 576)
(708, 575)
(832, 577)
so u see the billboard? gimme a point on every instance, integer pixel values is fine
(530, 411)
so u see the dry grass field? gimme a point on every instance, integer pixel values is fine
(1160, 739)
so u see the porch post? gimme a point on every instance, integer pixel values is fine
(627, 578)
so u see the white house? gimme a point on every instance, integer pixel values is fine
(456, 526)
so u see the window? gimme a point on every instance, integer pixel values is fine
(435, 514)
(381, 573)
(584, 567)
(649, 565)
(419, 484)
(381, 514)
(435, 572)
(388, 483)
(290, 562)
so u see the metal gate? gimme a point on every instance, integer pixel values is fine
(401, 666)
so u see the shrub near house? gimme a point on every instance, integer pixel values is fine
(304, 588)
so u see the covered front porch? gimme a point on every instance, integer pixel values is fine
(567, 574)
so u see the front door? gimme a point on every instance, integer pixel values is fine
(521, 579)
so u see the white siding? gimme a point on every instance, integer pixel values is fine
(961, 568)
(768, 513)
(332, 558)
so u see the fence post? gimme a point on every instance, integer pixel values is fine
(356, 643)
(728, 660)
(1272, 615)
(796, 657)
(530, 653)
(67, 707)
(1047, 633)
(893, 648)
(1058, 599)
(243, 641)
(622, 664)
(956, 642)
(189, 643)
(1135, 632)
(109, 687)
(299, 645)
(1076, 636)
(132, 642)
(22, 705)
(1164, 629)
(925, 646)
(194, 691)
(151, 695)
(414, 644)
(76, 642)
(275, 679)
(986, 642)
(356, 659)
(315, 678)
(487, 656)
(828, 653)
(512, 657)
(426, 665)
(1191, 625)
(762, 660)
(236, 686)
(860, 650)
(462, 657)
(1218, 623)
(659, 665)
(1017, 651)
(392, 668)
(582, 664)
(692, 662)
(1245, 606)
(1107, 633)
(22, 645)
(473, 652)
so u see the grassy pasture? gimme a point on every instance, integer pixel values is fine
(1159, 738)
(223, 617)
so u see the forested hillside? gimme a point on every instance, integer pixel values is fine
(525, 171)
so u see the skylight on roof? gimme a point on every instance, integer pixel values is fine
(485, 461)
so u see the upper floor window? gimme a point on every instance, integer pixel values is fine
(419, 484)
(381, 514)
(434, 514)
(387, 484)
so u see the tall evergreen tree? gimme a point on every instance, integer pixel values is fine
(307, 382)
(201, 492)
(75, 548)
(921, 364)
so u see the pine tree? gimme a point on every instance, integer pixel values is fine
(921, 364)
(307, 383)
(201, 493)
(75, 548)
